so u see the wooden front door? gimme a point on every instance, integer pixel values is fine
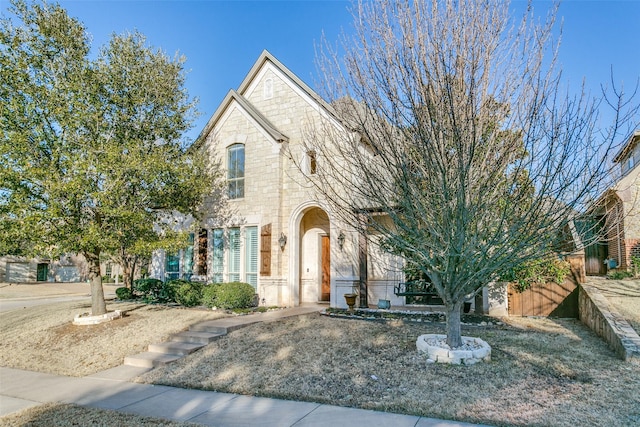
(326, 269)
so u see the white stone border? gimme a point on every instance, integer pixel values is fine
(86, 318)
(457, 357)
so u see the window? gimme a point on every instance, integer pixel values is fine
(313, 162)
(235, 171)
(172, 267)
(268, 89)
(218, 255)
(234, 255)
(187, 258)
(251, 255)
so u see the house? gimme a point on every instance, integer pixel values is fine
(618, 209)
(16, 269)
(67, 268)
(282, 240)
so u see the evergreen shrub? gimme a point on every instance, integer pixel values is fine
(124, 293)
(188, 294)
(209, 294)
(234, 295)
(154, 291)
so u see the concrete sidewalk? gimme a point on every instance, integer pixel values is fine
(22, 389)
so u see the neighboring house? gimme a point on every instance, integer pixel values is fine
(67, 268)
(14, 269)
(619, 211)
(282, 241)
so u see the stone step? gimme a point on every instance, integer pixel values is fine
(150, 360)
(224, 326)
(195, 337)
(211, 327)
(175, 347)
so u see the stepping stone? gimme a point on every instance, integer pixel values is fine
(175, 347)
(150, 360)
(195, 337)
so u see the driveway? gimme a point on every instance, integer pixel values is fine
(624, 295)
(23, 295)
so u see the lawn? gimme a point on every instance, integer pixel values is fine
(543, 371)
(43, 339)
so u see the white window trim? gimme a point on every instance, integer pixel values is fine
(227, 167)
(226, 255)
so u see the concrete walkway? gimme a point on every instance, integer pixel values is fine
(22, 389)
(112, 389)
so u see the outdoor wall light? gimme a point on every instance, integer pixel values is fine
(282, 240)
(341, 240)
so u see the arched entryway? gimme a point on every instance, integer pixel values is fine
(311, 256)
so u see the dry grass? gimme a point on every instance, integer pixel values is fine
(43, 339)
(543, 372)
(59, 415)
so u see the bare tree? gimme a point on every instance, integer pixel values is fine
(466, 154)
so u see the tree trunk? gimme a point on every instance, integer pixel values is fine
(98, 306)
(127, 274)
(128, 265)
(128, 270)
(454, 331)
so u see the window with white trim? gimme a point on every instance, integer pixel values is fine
(218, 256)
(235, 171)
(251, 255)
(187, 258)
(234, 255)
(172, 266)
(268, 88)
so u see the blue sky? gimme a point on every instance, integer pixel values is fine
(222, 39)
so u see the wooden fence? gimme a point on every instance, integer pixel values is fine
(550, 299)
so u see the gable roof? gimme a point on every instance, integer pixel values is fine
(233, 96)
(265, 57)
(634, 139)
(237, 96)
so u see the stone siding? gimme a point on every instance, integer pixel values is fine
(276, 191)
(605, 321)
